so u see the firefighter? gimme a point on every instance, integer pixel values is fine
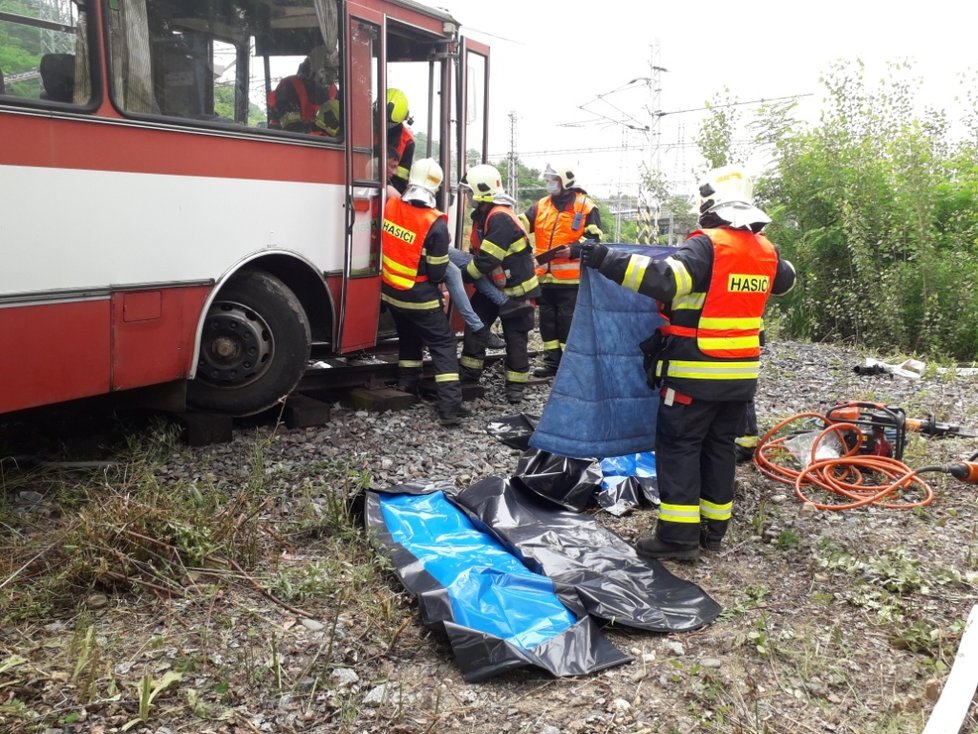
(705, 358)
(499, 245)
(415, 242)
(307, 102)
(558, 221)
(400, 136)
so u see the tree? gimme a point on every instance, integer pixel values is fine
(875, 207)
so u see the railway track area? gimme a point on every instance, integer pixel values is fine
(366, 380)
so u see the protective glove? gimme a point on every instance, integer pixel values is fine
(593, 254)
(593, 232)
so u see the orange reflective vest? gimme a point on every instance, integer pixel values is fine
(403, 234)
(713, 347)
(404, 139)
(307, 107)
(554, 227)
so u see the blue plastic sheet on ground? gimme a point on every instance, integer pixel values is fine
(496, 613)
(627, 482)
(600, 404)
(594, 571)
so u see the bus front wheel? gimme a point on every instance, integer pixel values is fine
(253, 349)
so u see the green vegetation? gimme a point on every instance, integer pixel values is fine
(121, 532)
(874, 205)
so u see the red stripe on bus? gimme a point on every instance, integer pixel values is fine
(107, 146)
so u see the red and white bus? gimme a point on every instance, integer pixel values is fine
(157, 231)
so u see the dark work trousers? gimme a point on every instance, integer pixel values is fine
(516, 330)
(415, 329)
(749, 426)
(695, 463)
(556, 305)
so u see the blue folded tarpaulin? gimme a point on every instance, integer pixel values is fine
(600, 404)
(496, 612)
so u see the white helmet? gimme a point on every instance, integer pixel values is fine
(728, 192)
(484, 182)
(562, 170)
(423, 181)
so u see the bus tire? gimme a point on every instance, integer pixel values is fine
(254, 347)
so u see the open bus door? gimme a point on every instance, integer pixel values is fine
(472, 131)
(360, 303)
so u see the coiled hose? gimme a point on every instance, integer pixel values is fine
(847, 482)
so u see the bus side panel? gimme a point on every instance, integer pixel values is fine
(61, 353)
(154, 333)
(362, 314)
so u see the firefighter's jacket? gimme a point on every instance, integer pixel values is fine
(414, 243)
(560, 220)
(499, 240)
(401, 137)
(712, 294)
(295, 103)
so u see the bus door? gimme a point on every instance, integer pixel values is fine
(472, 127)
(360, 303)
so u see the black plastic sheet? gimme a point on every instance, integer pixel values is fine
(628, 482)
(514, 430)
(571, 483)
(594, 571)
(466, 584)
(617, 484)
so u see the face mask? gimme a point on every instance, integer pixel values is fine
(553, 187)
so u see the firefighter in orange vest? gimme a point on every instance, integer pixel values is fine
(705, 359)
(558, 221)
(307, 102)
(499, 245)
(400, 136)
(415, 241)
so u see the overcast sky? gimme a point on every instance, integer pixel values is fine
(551, 59)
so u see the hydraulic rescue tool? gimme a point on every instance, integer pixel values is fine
(882, 429)
(859, 463)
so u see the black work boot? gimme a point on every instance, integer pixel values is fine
(469, 375)
(410, 386)
(711, 535)
(649, 546)
(547, 369)
(514, 393)
(454, 416)
(711, 544)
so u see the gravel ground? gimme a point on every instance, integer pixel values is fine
(842, 622)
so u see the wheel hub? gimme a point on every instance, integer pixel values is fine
(236, 347)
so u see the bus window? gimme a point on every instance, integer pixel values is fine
(44, 53)
(274, 64)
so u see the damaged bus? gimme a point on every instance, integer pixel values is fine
(164, 230)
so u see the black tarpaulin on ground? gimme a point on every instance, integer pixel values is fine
(496, 612)
(594, 571)
(628, 482)
(513, 430)
(618, 484)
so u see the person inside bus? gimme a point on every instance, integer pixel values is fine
(399, 135)
(415, 242)
(308, 101)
